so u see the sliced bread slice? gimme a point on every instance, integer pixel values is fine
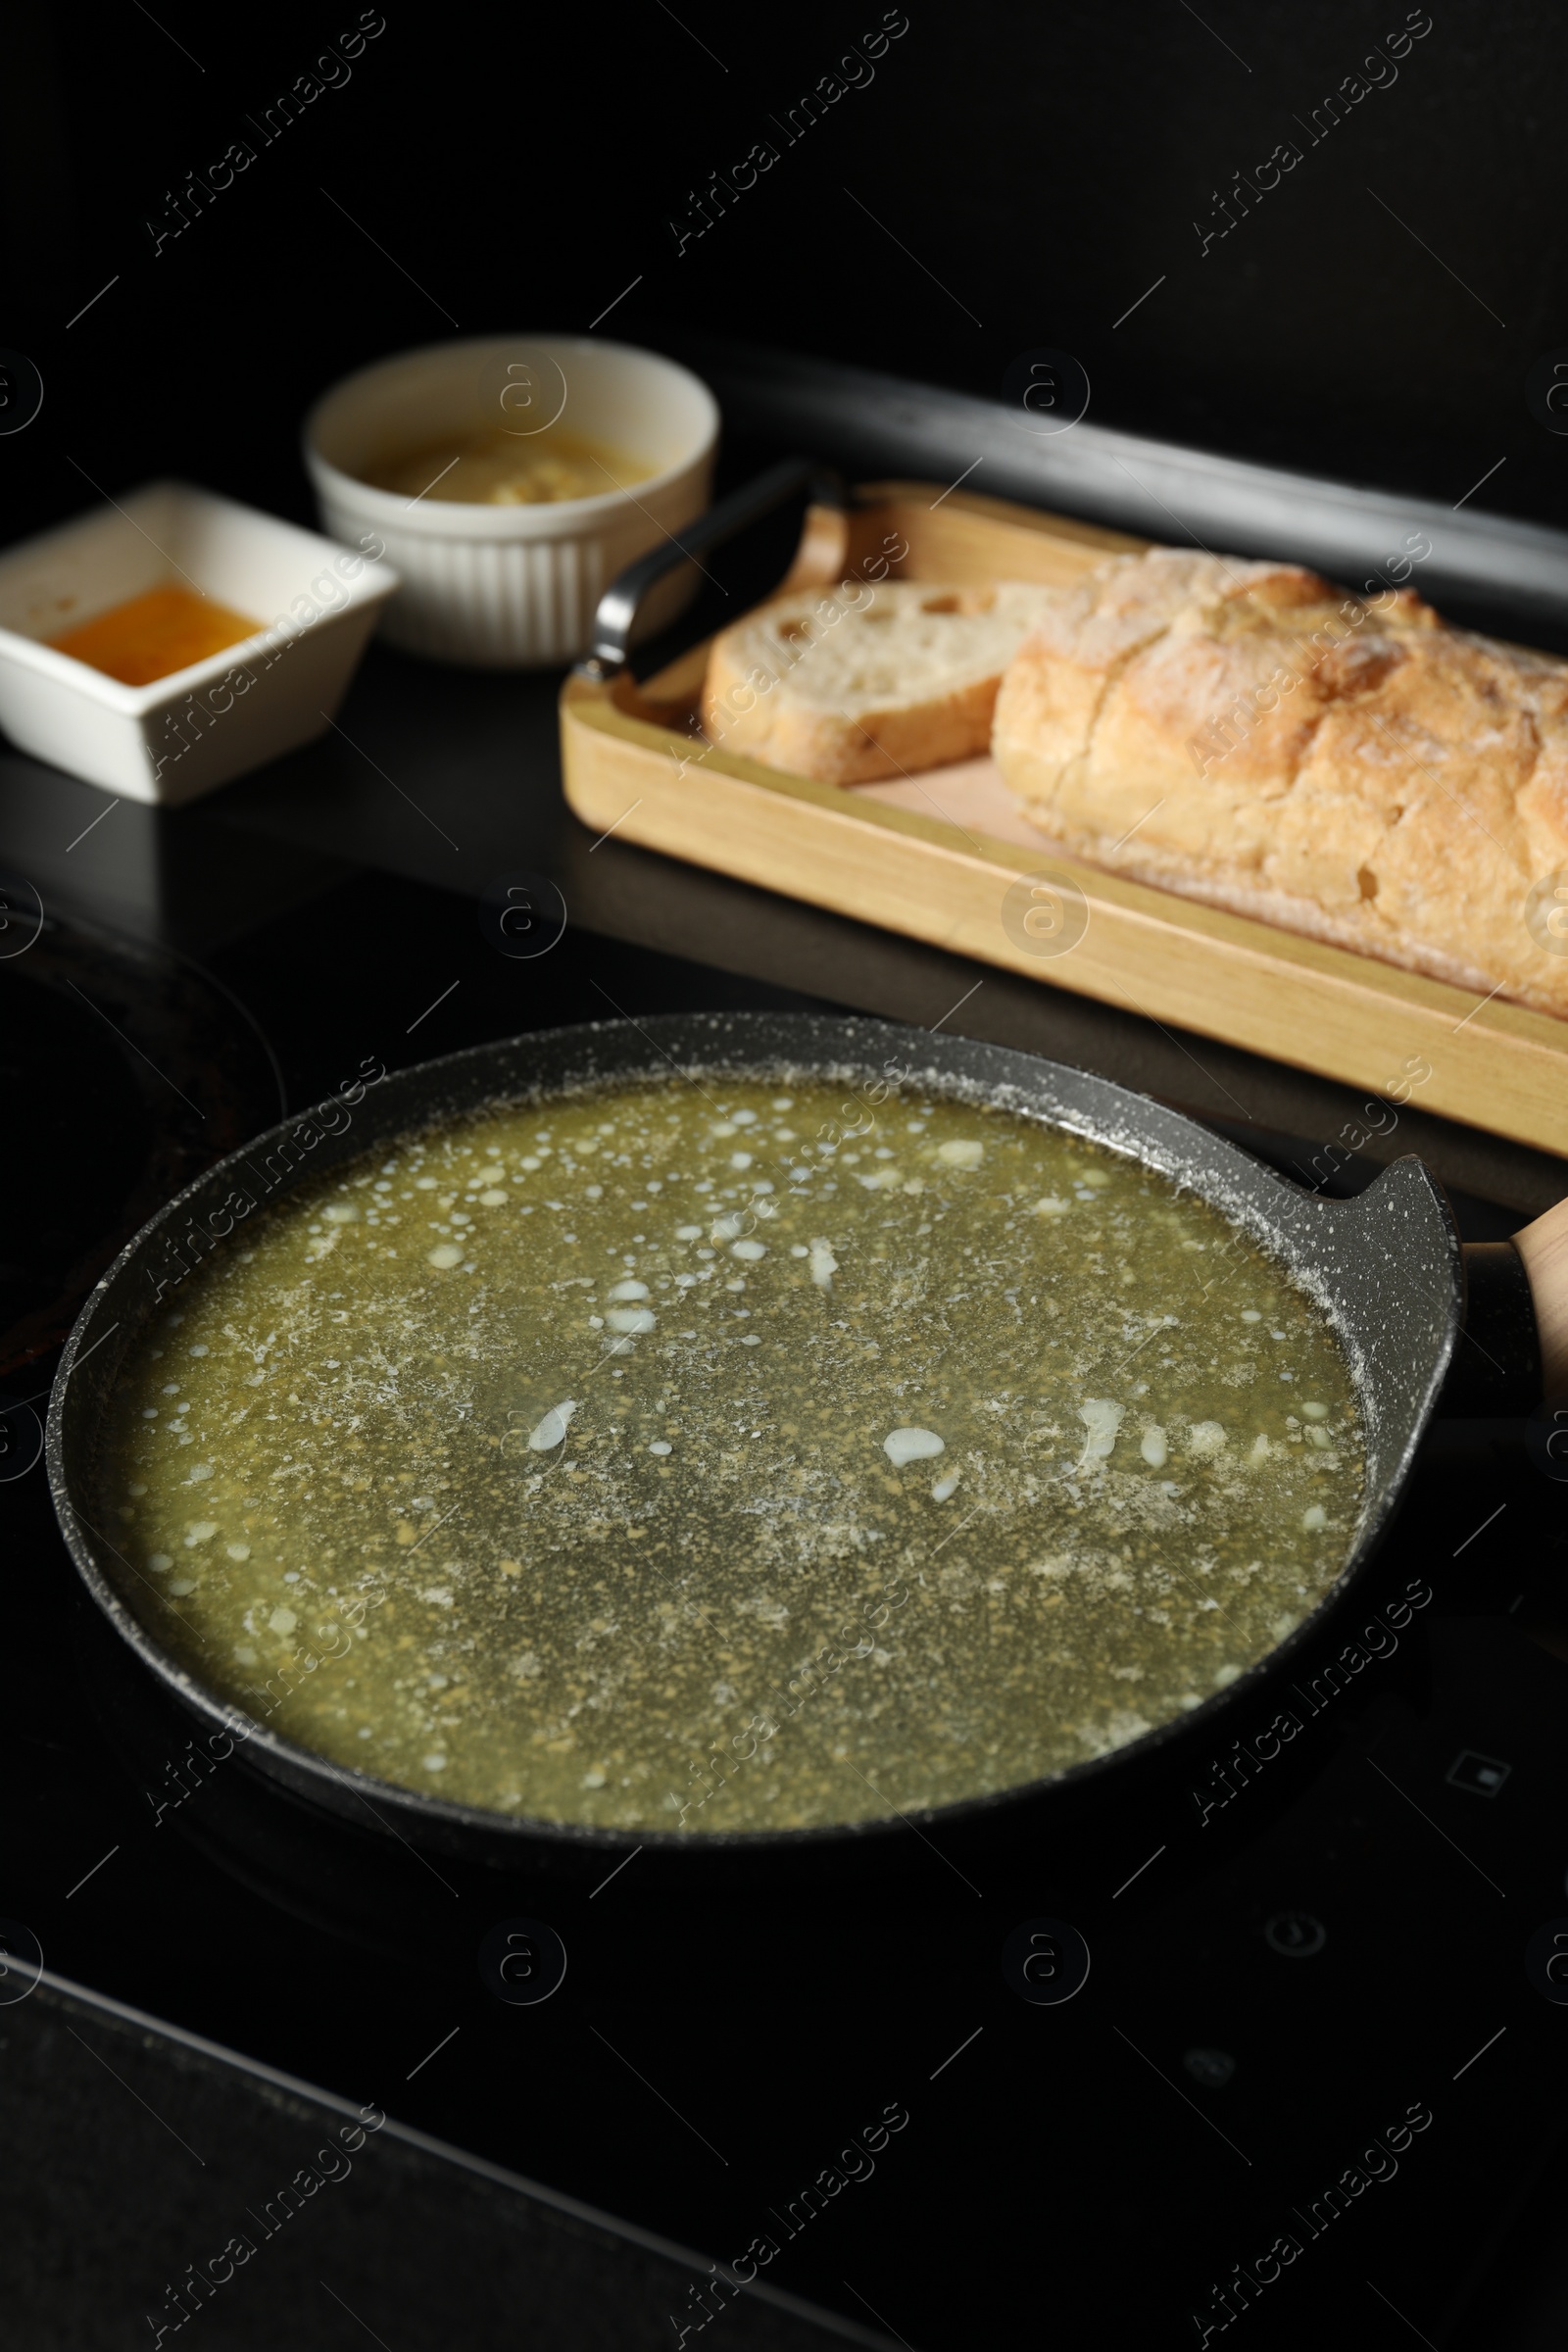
(859, 682)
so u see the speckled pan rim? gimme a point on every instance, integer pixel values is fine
(1302, 1230)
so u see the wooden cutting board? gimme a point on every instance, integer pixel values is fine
(945, 857)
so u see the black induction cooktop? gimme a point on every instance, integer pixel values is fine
(1307, 2078)
(1307, 2082)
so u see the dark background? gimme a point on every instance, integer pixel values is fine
(1035, 169)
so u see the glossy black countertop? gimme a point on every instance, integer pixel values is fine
(449, 780)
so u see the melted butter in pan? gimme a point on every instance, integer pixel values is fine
(726, 1457)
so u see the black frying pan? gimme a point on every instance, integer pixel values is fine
(1420, 1316)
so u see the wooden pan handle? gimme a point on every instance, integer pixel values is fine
(1544, 1247)
(1513, 1347)
(1496, 1372)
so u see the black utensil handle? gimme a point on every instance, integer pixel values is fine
(618, 609)
(1495, 1371)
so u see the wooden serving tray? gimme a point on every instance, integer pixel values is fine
(947, 857)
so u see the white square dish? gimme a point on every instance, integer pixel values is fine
(199, 727)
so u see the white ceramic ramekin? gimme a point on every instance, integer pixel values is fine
(200, 726)
(514, 587)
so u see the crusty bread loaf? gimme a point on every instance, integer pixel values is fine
(855, 683)
(1246, 734)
